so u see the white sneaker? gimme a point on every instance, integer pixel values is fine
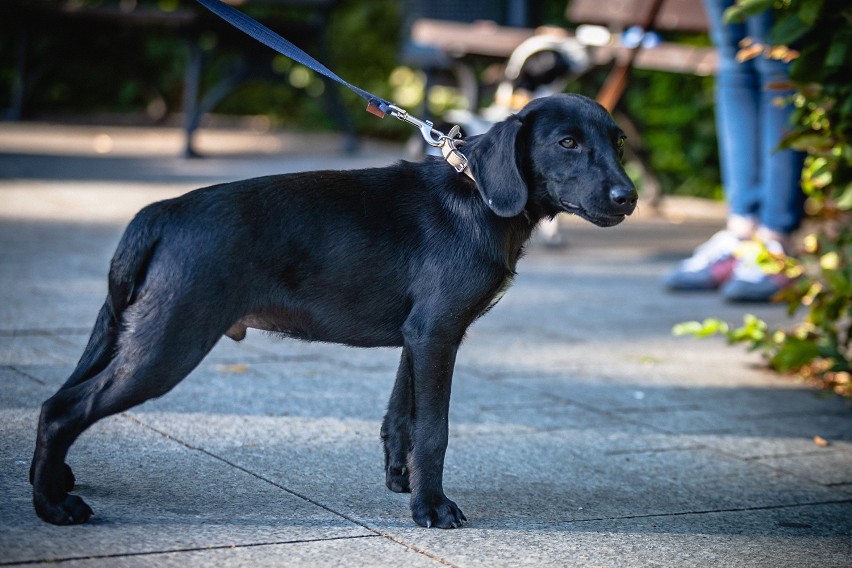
(709, 267)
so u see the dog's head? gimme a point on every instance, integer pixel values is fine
(560, 153)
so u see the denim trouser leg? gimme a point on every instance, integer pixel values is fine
(760, 182)
(781, 196)
(738, 131)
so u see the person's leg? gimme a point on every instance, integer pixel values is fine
(737, 127)
(737, 99)
(781, 198)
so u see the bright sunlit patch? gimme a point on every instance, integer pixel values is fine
(300, 77)
(102, 144)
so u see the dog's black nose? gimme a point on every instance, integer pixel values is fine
(624, 198)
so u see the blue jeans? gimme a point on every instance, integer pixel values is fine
(760, 182)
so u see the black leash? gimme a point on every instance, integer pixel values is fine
(375, 105)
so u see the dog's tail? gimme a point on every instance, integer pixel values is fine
(130, 263)
(126, 273)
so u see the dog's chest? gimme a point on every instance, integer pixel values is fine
(501, 290)
(508, 279)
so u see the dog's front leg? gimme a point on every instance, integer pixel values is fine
(432, 371)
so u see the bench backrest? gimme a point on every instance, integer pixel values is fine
(675, 15)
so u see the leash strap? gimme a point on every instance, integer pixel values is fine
(375, 105)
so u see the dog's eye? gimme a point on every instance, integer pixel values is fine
(621, 146)
(569, 143)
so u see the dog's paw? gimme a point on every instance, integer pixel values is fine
(396, 478)
(70, 511)
(442, 514)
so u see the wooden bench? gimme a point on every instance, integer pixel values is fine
(462, 43)
(189, 21)
(457, 41)
(674, 16)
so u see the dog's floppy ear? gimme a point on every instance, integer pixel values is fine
(493, 160)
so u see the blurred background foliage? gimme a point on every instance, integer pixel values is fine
(138, 73)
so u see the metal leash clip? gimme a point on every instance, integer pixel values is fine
(425, 126)
(446, 142)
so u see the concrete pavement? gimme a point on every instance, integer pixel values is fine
(582, 432)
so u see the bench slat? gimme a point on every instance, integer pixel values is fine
(675, 15)
(491, 40)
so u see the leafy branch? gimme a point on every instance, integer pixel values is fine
(816, 37)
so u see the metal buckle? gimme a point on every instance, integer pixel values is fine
(425, 126)
(454, 157)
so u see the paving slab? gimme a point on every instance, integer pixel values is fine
(373, 550)
(796, 536)
(150, 494)
(582, 433)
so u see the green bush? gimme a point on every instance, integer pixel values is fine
(674, 115)
(820, 346)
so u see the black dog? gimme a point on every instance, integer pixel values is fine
(408, 255)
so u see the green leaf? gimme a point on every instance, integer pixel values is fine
(745, 9)
(794, 354)
(686, 328)
(753, 331)
(789, 29)
(837, 280)
(710, 326)
(807, 142)
(846, 110)
(808, 68)
(838, 53)
(845, 200)
(809, 11)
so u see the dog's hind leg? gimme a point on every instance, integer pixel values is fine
(396, 434)
(152, 357)
(97, 355)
